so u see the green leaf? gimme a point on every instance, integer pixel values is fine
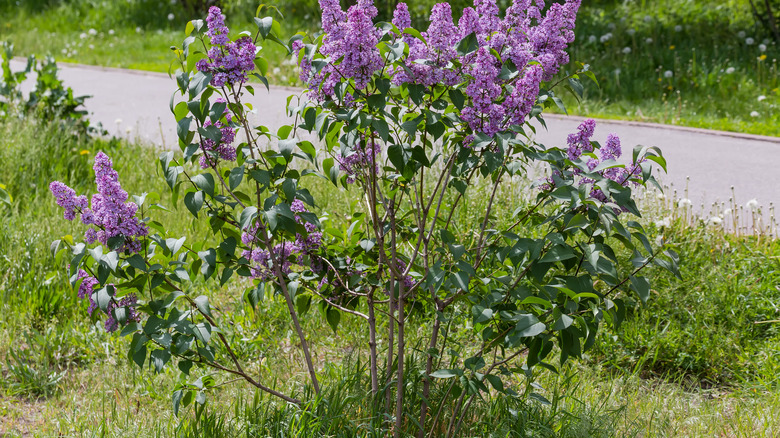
(176, 400)
(248, 216)
(205, 182)
(286, 147)
(333, 316)
(446, 374)
(202, 303)
(264, 25)
(139, 357)
(209, 258)
(194, 202)
(399, 156)
(457, 98)
(467, 45)
(235, 177)
(563, 322)
(558, 253)
(199, 83)
(528, 326)
(641, 286)
(159, 358)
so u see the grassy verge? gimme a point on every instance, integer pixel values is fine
(692, 363)
(694, 63)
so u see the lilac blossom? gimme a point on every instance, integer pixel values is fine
(67, 199)
(129, 303)
(361, 57)
(580, 142)
(222, 149)
(86, 288)
(88, 284)
(110, 214)
(536, 43)
(484, 114)
(285, 253)
(350, 44)
(357, 162)
(401, 17)
(228, 62)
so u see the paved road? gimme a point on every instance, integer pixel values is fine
(136, 105)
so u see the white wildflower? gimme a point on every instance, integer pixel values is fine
(752, 204)
(91, 47)
(92, 32)
(83, 35)
(762, 47)
(648, 18)
(741, 34)
(277, 70)
(678, 28)
(749, 41)
(660, 196)
(606, 37)
(665, 222)
(592, 39)
(726, 212)
(111, 31)
(648, 40)
(715, 221)
(755, 114)
(668, 74)
(129, 129)
(138, 30)
(684, 202)
(730, 70)
(626, 50)
(171, 16)
(761, 97)
(631, 32)
(118, 121)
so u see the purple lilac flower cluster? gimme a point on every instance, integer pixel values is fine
(110, 214)
(400, 265)
(229, 62)
(359, 160)
(284, 252)
(129, 302)
(579, 143)
(222, 149)
(535, 43)
(349, 37)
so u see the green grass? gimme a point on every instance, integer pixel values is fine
(688, 63)
(691, 363)
(703, 91)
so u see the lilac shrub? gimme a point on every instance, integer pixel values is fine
(426, 130)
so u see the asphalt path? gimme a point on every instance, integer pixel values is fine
(136, 105)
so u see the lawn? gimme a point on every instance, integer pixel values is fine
(701, 359)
